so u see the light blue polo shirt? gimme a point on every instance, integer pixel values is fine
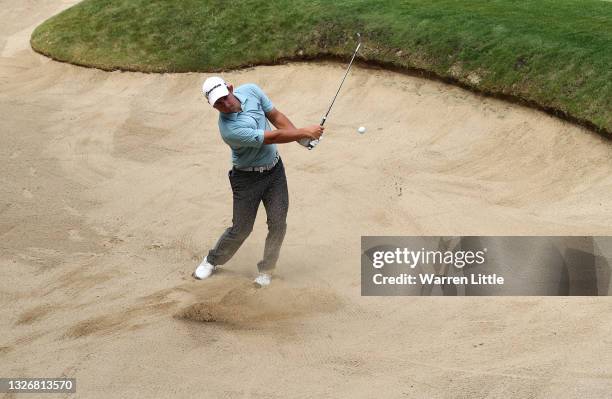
(244, 131)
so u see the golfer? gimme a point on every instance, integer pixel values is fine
(257, 174)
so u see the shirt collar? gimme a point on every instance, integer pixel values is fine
(243, 99)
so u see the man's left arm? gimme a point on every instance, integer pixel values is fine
(279, 120)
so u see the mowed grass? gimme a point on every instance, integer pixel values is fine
(555, 54)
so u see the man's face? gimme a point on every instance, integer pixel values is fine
(228, 104)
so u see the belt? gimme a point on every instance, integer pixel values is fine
(259, 169)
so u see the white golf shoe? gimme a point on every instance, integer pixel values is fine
(204, 270)
(263, 280)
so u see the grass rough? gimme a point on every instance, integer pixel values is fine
(552, 54)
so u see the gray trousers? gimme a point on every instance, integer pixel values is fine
(249, 189)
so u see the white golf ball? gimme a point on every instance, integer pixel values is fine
(361, 130)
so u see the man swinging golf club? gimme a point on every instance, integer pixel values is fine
(257, 174)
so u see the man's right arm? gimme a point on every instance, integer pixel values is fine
(280, 136)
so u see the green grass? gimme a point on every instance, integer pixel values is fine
(555, 54)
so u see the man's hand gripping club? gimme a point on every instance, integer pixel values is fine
(286, 131)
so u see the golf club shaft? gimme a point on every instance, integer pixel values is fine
(341, 83)
(311, 144)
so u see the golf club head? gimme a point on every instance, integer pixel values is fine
(310, 144)
(313, 143)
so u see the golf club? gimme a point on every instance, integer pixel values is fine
(310, 144)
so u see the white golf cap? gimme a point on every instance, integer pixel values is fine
(214, 88)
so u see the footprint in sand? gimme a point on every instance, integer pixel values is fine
(74, 235)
